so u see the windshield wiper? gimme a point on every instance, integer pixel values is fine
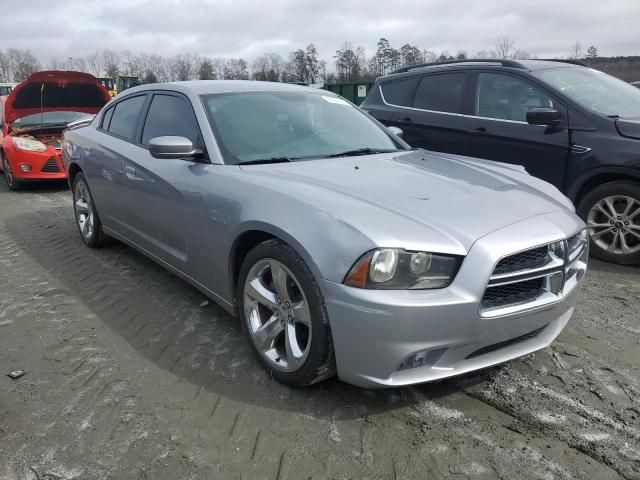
(361, 151)
(263, 161)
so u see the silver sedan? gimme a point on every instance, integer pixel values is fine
(340, 249)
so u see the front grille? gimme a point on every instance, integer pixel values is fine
(497, 346)
(527, 260)
(535, 277)
(50, 166)
(512, 293)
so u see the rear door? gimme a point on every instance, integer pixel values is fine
(499, 128)
(105, 159)
(161, 192)
(434, 117)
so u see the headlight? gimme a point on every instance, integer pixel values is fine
(577, 244)
(28, 144)
(395, 269)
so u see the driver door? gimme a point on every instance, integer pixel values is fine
(499, 129)
(163, 194)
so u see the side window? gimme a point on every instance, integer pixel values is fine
(170, 115)
(440, 92)
(124, 119)
(505, 97)
(106, 118)
(400, 91)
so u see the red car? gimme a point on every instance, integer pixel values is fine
(33, 116)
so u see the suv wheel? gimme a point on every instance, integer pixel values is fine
(283, 315)
(612, 213)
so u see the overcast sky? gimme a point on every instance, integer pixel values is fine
(248, 28)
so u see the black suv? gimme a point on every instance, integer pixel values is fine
(568, 124)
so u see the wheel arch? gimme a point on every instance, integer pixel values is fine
(251, 236)
(74, 169)
(592, 179)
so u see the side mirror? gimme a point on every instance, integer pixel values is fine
(396, 131)
(172, 147)
(543, 116)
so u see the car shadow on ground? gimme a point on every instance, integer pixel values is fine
(162, 318)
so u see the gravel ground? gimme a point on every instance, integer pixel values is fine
(128, 377)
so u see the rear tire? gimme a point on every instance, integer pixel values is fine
(612, 214)
(284, 316)
(12, 182)
(86, 215)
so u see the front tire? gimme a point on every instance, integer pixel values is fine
(612, 214)
(11, 180)
(284, 316)
(86, 215)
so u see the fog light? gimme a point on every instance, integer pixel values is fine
(425, 358)
(25, 168)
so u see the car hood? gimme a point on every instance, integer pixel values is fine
(453, 201)
(54, 91)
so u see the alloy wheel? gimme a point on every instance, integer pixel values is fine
(277, 315)
(614, 224)
(84, 210)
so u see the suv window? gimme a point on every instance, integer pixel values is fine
(506, 97)
(170, 115)
(440, 92)
(124, 119)
(400, 91)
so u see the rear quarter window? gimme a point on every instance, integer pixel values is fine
(106, 118)
(399, 92)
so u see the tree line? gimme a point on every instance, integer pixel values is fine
(349, 63)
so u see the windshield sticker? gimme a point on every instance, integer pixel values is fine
(336, 100)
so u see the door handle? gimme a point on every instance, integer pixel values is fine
(130, 172)
(405, 120)
(481, 130)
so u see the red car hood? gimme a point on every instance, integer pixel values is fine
(55, 91)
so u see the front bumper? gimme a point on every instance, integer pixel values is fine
(376, 331)
(47, 165)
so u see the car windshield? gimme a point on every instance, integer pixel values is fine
(595, 90)
(274, 125)
(48, 118)
(4, 90)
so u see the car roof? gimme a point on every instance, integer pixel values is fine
(529, 65)
(204, 87)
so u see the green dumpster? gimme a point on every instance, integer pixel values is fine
(354, 92)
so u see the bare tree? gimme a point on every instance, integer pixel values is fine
(218, 67)
(23, 63)
(520, 55)
(93, 64)
(576, 51)
(110, 62)
(504, 46)
(236, 69)
(268, 67)
(184, 66)
(6, 70)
